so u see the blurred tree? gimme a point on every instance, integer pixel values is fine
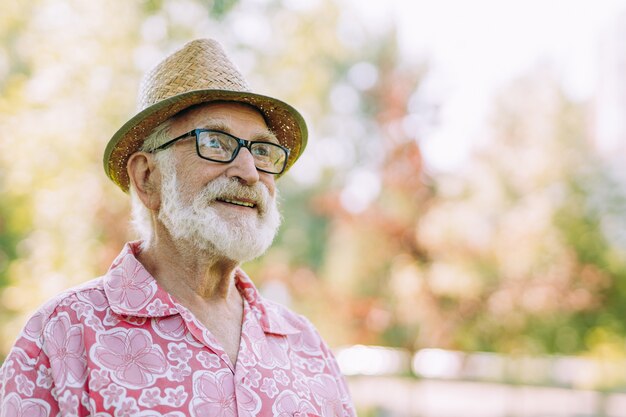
(520, 261)
(516, 254)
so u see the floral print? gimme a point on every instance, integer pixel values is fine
(269, 387)
(131, 356)
(66, 352)
(24, 386)
(14, 406)
(68, 404)
(120, 346)
(213, 394)
(44, 377)
(175, 397)
(288, 404)
(171, 328)
(130, 285)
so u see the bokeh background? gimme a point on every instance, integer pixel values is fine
(456, 228)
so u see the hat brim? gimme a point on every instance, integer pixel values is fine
(282, 119)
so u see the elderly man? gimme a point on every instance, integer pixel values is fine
(175, 327)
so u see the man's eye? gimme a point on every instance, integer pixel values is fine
(213, 142)
(261, 150)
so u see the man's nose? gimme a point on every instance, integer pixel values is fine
(243, 168)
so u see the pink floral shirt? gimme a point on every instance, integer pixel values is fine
(121, 346)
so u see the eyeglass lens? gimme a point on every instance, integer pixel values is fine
(219, 146)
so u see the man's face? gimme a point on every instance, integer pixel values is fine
(237, 119)
(208, 203)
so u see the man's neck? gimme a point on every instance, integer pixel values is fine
(190, 274)
(201, 282)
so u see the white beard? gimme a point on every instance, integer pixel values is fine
(235, 236)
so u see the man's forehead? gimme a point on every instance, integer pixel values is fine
(228, 117)
(225, 125)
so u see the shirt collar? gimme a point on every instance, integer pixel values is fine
(133, 291)
(271, 316)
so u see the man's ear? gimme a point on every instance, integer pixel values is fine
(143, 175)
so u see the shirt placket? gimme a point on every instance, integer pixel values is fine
(242, 371)
(239, 370)
(204, 336)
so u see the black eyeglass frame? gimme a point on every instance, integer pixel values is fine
(241, 143)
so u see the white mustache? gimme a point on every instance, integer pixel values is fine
(231, 189)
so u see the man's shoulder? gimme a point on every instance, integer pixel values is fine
(275, 317)
(89, 295)
(282, 315)
(91, 292)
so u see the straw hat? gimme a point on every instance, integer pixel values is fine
(199, 72)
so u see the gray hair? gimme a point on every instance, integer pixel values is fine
(141, 218)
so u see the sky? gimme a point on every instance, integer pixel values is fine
(474, 48)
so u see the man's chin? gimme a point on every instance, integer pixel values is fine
(233, 240)
(231, 251)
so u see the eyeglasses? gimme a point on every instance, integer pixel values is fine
(218, 146)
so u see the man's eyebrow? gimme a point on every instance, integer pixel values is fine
(266, 136)
(220, 124)
(216, 124)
